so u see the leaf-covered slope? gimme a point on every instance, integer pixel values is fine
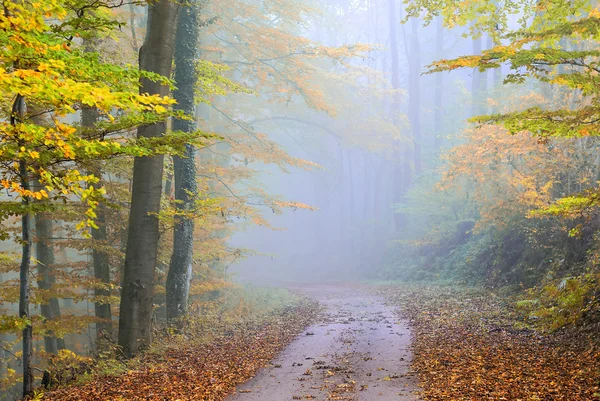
(199, 371)
(466, 347)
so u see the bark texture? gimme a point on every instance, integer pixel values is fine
(100, 259)
(180, 268)
(44, 250)
(44, 253)
(135, 316)
(17, 116)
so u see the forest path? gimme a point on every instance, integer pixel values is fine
(358, 351)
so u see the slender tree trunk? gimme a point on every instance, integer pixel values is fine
(497, 78)
(439, 85)
(476, 83)
(180, 268)
(135, 318)
(102, 274)
(398, 165)
(394, 53)
(379, 193)
(340, 195)
(414, 92)
(407, 179)
(483, 85)
(18, 113)
(100, 260)
(25, 287)
(45, 261)
(44, 231)
(367, 189)
(487, 80)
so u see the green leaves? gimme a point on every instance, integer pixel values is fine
(57, 78)
(212, 81)
(536, 54)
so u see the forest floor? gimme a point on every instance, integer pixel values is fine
(368, 343)
(358, 350)
(203, 365)
(470, 344)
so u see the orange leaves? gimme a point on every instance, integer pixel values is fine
(467, 348)
(293, 205)
(196, 369)
(16, 188)
(513, 174)
(274, 59)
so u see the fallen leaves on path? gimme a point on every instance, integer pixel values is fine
(466, 347)
(207, 372)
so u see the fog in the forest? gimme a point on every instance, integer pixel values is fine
(301, 143)
(356, 192)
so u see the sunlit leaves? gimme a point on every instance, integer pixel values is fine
(57, 78)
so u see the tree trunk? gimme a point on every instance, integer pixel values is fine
(44, 231)
(483, 85)
(180, 268)
(476, 82)
(24, 286)
(367, 189)
(439, 85)
(17, 116)
(101, 273)
(350, 201)
(100, 260)
(135, 316)
(497, 78)
(399, 173)
(45, 259)
(414, 93)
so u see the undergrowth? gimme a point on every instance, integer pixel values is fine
(555, 275)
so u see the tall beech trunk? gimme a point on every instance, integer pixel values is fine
(180, 268)
(44, 253)
(135, 318)
(414, 92)
(439, 85)
(17, 116)
(100, 260)
(102, 274)
(400, 164)
(24, 287)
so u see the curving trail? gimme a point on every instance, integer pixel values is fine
(359, 351)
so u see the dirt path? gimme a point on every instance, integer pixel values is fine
(360, 351)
